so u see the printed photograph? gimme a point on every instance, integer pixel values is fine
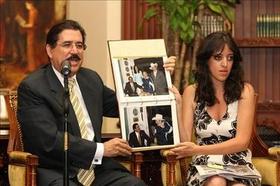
(147, 108)
(143, 76)
(150, 127)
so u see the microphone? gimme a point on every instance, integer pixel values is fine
(66, 68)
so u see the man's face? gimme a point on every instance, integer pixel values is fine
(137, 128)
(154, 67)
(69, 46)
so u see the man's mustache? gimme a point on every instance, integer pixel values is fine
(74, 57)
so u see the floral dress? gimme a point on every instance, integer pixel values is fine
(209, 131)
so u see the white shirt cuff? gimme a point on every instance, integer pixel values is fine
(97, 160)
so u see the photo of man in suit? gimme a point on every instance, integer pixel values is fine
(138, 138)
(159, 80)
(131, 87)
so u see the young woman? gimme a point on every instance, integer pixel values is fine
(219, 107)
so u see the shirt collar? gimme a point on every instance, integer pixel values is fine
(60, 76)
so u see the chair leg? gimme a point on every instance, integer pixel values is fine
(32, 163)
(171, 161)
(137, 159)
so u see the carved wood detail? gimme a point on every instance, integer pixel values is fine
(268, 114)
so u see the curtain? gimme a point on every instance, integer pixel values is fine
(134, 26)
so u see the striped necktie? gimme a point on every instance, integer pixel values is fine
(139, 139)
(85, 177)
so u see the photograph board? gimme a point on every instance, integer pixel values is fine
(147, 108)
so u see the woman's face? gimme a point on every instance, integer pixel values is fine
(220, 64)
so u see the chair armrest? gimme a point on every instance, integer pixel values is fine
(177, 169)
(22, 157)
(169, 158)
(277, 149)
(25, 160)
(274, 151)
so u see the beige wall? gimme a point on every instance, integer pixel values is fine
(102, 21)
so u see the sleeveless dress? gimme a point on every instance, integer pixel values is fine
(209, 131)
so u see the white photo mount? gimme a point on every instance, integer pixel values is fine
(144, 99)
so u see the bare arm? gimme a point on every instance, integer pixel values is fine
(188, 107)
(185, 106)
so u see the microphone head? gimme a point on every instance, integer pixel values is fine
(65, 68)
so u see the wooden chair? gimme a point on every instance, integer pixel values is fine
(268, 164)
(266, 158)
(133, 163)
(22, 165)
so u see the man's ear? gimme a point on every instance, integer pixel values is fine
(49, 50)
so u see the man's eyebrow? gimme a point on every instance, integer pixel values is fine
(66, 42)
(72, 41)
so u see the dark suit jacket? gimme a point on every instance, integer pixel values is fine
(160, 83)
(128, 89)
(133, 141)
(40, 113)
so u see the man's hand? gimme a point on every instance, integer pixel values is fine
(169, 64)
(117, 147)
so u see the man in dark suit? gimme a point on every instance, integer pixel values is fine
(138, 138)
(131, 87)
(159, 80)
(40, 113)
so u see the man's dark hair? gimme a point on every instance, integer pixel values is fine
(53, 33)
(213, 43)
(134, 125)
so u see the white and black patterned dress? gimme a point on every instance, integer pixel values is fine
(209, 131)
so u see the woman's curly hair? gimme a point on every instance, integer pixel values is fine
(234, 84)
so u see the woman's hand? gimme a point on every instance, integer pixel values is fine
(183, 150)
(177, 95)
(169, 64)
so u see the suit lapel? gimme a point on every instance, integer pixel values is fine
(55, 86)
(58, 93)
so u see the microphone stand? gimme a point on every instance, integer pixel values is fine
(66, 136)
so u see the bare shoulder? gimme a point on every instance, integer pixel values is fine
(189, 91)
(189, 96)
